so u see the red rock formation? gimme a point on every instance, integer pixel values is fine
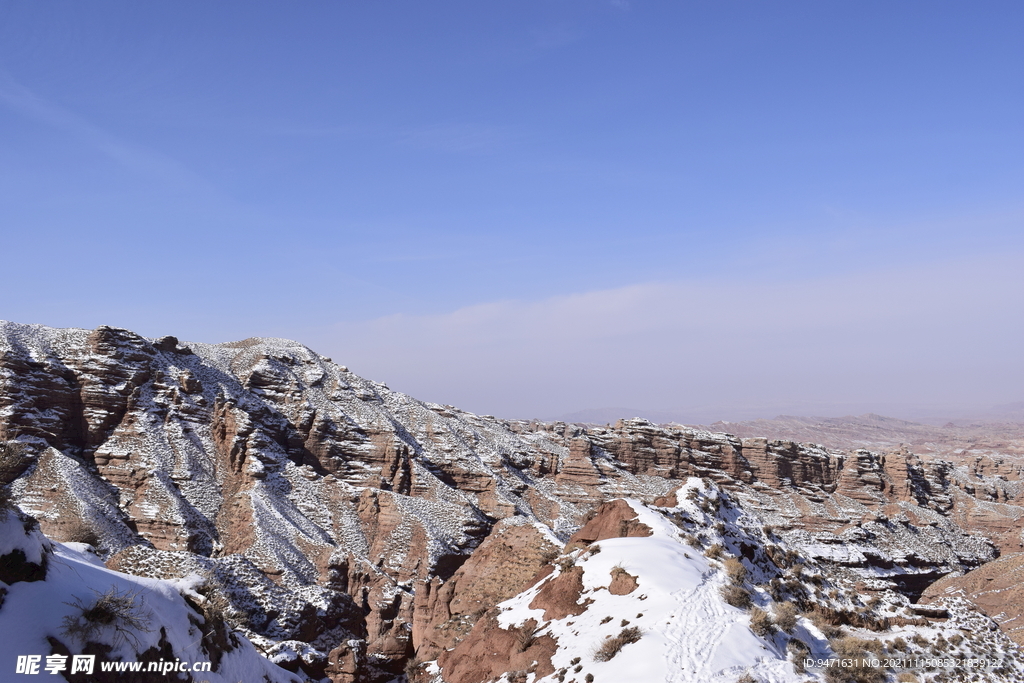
(614, 519)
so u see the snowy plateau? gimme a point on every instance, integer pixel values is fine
(252, 511)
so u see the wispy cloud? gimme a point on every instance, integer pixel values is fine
(139, 159)
(941, 335)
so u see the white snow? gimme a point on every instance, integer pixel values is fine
(689, 633)
(32, 611)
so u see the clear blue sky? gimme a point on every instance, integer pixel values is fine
(425, 191)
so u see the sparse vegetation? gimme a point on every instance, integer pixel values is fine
(14, 458)
(737, 596)
(798, 651)
(761, 623)
(779, 557)
(785, 616)
(611, 647)
(826, 622)
(122, 613)
(823, 616)
(735, 570)
(715, 552)
(80, 532)
(606, 620)
(857, 651)
(6, 502)
(412, 666)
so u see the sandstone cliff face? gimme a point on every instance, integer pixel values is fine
(331, 510)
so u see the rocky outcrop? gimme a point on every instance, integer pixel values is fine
(505, 564)
(614, 519)
(491, 651)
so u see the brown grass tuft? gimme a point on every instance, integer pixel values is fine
(611, 646)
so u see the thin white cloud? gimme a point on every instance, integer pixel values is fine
(21, 99)
(945, 335)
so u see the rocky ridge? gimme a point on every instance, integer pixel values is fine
(353, 529)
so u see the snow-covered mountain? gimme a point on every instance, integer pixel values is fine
(353, 532)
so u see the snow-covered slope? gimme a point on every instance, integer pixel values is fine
(74, 606)
(659, 603)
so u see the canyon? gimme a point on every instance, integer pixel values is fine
(357, 534)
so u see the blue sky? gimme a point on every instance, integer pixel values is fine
(435, 193)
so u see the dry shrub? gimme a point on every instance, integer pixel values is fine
(611, 646)
(15, 457)
(841, 617)
(856, 650)
(735, 570)
(798, 650)
(761, 623)
(747, 677)
(80, 532)
(826, 622)
(737, 596)
(779, 557)
(121, 613)
(715, 552)
(785, 616)
(412, 666)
